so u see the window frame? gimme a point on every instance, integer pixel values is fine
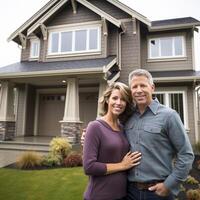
(34, 41)
(73, 30)
(167, 102)
(173, 47)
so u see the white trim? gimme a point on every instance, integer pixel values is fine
(173, 47)
(71, 26)
(25, 111)
(107, 67)
(46, 16)
(130, 11)
(178, 90)
(73, 29)
(31, 20)
(195, 102)
(100, 12)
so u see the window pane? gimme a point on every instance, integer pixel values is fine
(66, 41)
(54, 42)
(34, 49)
(80, 40)
(176, 102)
(160, 98)
(166, 47)
(93, 39)
(154, 46)
(178, 45)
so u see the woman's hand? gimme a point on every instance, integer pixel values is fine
(131, 159)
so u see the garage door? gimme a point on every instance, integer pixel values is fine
(51, 111)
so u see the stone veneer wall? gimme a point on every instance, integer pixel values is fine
(72, 131)
(7, 130)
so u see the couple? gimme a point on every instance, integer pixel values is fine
(152, 145)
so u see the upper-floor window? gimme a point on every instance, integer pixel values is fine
(77, 40)
(166, 47)
(35, 48)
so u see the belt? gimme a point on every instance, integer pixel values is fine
(144, 186)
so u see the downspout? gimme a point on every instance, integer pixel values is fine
(196, 114)
(120, 46)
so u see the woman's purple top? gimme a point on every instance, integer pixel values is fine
(103, 145)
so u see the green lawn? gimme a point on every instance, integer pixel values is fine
(53, 184)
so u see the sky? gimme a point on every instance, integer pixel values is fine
(13, 13)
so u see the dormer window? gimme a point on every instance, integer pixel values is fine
(74, 41)
(35, 48)
(166, 47)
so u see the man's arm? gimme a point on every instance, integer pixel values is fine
(184, 153)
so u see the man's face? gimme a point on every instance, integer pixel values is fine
(141, 91)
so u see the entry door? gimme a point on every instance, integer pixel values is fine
(51, 111)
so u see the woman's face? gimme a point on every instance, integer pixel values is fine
(116, 103)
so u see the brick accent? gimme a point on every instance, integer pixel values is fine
(7, 130)
(72, 131)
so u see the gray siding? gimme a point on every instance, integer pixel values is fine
(191, 120)
(130, 51)
(66, 16)
(151, 65)
(112, 40)
(110, 9)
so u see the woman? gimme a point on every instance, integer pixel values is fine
(106, 153)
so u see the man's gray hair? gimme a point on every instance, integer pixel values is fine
(141, 72)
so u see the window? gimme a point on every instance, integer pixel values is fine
(175, 100)
(71, 41)
(166, 47)
(35, 48)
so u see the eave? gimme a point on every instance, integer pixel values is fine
(30, 21)
(173, 27)
(131, 12)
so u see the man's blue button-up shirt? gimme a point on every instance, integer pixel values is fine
(160, 136)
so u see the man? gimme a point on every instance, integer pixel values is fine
(158, 133)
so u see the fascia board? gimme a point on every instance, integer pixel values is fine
(171, 27)
(131, 12)
(31, 20)
(100, 12)
(52, 73)
(46, 16)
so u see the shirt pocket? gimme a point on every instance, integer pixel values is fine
(152, 129)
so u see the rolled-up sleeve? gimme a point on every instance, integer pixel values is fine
(184, 153)
(90, 151)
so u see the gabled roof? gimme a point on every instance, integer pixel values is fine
(52, 6)
(176, 23)
(31, 20)
(35, 68)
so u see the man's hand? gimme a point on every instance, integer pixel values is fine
(160, 189)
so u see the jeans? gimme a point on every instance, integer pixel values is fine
(136, 194)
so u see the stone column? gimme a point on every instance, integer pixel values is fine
(71, 125)
(7, 118)
(102, 87)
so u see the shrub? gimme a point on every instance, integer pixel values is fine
(29, 160)
(191, 180)
(52, 160)
(193, 194)
(73, 160)
(60, 146)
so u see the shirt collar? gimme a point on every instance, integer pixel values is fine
(154, 106)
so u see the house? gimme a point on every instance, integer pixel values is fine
(71, 50)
